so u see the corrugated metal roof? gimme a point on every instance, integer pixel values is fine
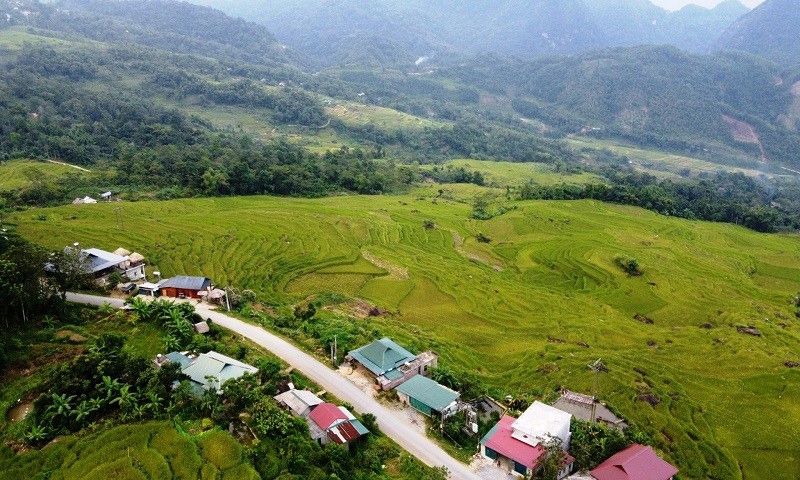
(187, 283)
(212, 369)
(298, 400)
(179, 358)
(636, 462)
(98, 260)
(500, 440)
(432, 394)
(327, 415)
(382, 356)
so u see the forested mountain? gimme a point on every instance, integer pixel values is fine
(656, 96)
(771, 30)
(334, 33)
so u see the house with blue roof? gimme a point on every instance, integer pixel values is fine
(207, 371)
(389, 363)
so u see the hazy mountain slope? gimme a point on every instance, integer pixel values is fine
(771, 30)
(178, 27)
(695, 28)
(332, 31)
(651, 95)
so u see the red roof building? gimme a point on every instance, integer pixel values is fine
(327, 415)
(503, 443)
(515, 455)
(328, 422)
(636, 462)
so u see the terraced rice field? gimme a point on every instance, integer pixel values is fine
(18, 173)
(555, 303)
(153, 450)
(516, 174)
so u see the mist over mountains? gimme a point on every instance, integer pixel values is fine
(389, 31)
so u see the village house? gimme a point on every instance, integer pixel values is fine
(299, 402)
(428, 397)
(330, 423)
(207, 371)
(517, 445)
(101, 264)
(184, 286)
(636, 462)
(390, 364)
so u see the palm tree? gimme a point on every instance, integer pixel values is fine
(82, 411)
(109, 386)
(154, 402)
(141, 308)
(62, 405)
(125, 397)
(36, 434)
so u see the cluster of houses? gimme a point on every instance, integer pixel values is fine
(326, 421)
(515, 445)
(131, 267)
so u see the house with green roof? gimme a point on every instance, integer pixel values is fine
(211, 370)
(428, 397)
(389, 363)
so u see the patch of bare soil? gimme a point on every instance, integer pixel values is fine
(745, 133)
(358, 308)
(749, 331)
(458, 244)
(395, 272)
(70, 336)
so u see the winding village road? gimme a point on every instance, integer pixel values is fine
(390, 422)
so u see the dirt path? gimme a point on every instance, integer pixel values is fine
(392, 424)
(69, 165)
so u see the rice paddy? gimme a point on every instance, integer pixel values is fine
(19, 173)
(153, 450)
(526, 312)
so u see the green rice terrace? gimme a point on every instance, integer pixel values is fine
(134, 452)
(698, 341)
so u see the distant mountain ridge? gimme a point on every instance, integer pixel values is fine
(771, 30)
(330, 31)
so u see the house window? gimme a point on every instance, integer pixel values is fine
(520, 468)
(490, 453)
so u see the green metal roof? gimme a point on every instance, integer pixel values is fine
(212, 370)
(360, 428)
(382, 356)
(428, 392)
(393, 375)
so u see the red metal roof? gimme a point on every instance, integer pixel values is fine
(327, 414)
(635, 462)
(502, 443)
(343, 433)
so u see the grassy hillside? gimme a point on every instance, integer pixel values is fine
(19, 173)
(516, 310)
(152, 450)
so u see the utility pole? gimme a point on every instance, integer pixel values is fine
(227, 300)
(120, 222)
(596, 367)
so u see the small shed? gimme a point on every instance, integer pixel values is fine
(300, 402)
(428, 396)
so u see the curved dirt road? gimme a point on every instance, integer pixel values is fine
(390, 423)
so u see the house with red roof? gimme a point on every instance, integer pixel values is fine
(636, 462)
(330, 423)
(517, 445)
